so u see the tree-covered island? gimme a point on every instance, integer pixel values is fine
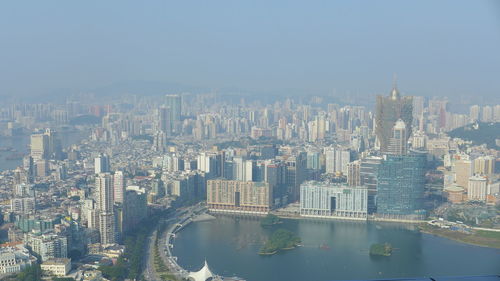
(381, 249)
(281, 239)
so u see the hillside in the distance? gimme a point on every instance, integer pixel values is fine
(479, 133)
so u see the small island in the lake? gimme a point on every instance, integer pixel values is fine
(281, 239)
(270, 220)
(381, 250)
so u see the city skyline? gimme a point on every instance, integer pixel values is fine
(258, 141)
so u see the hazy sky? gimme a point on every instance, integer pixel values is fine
(308, 47)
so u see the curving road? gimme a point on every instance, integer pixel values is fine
(183, 215)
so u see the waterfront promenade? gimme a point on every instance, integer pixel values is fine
(181, 219)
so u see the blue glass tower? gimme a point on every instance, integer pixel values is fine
(400, 184)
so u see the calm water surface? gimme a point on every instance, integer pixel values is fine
(230, 246)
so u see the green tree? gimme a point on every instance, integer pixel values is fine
(30, 273)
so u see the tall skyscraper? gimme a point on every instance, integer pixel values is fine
(39, 146)
(398, 142)
(368, 172)
(484, 165)
(295, 175)
(418, 106)
(29, 167)
(487, 114)
(46, 145)
(107, 228)
(165, 120)
(158, 188)
(313, 160)
(353, 173)
(101, 164)
(336, 160)
(118, 186)
(104, 194)
(135, 206)
(174, 102)
(477, 188)
(54, 144)
(464, 169)
(474, 112)
(389, 110)
(400, 185)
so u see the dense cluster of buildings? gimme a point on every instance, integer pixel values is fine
(78, 199)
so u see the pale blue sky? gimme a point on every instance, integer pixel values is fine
(302, 47)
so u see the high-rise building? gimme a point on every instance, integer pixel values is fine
(48, 245)
(487, 114)
(368, 171)
(319, 199)
(484, 165)
(39, 146)
(295, 175)
(477, 188)
(46, 145)
(313, 160)
(104, 189)
(165, 120)
(239, 168)
(174, 102)
(42, 168)
(160, 141)
(336, 160)
(273, 172)
(107, 227)
(330, 160)
(474, 113)
(398, 142)
(249, 170)
(135, 207)
(104, 192)
(207, 162)
(418, 107)
(496, 113)
(400, 185)
(29, 167)
(239, 196)
(22, 205)
(158, 188)
(388, 111)
(353, 173)
(118, 186)
(101, 164)
(463, 171)
(54, 144)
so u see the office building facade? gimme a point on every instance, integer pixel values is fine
(400, 185)
(239, 196)
(321, 199)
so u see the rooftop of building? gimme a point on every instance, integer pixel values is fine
(57, 261)
(454, 188)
